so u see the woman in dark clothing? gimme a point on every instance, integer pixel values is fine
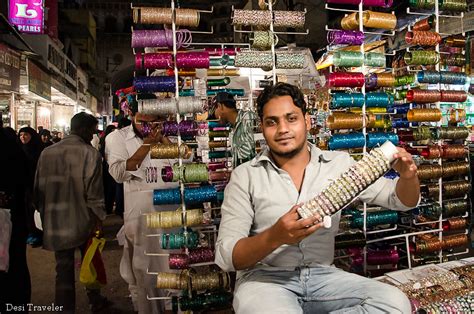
(15, 285)
(32, 146)
(109, 182)
(46, 137)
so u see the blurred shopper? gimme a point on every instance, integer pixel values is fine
(109, 182)
(15, 285)
(46, 137)
(69, 196)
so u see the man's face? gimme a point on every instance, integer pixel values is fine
(284, 126)
(144, 123)
(25, 137)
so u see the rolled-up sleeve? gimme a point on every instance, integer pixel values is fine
(116, 156)
(237, 218)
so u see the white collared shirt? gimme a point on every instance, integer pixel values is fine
(259, 193)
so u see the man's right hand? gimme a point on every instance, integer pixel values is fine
(290, 229)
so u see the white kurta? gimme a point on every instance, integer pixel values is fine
(138, 192)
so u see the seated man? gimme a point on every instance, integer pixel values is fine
(284, 263)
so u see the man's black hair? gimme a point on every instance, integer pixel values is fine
(83, 121)
(280, 89)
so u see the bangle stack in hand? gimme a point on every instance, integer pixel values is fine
(352, 182)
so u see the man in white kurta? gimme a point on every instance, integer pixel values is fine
(127, 152)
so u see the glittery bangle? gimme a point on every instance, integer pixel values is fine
(336, 196)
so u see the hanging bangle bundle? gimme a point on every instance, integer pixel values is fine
(425, 24)
(385, 79)
(421, 57)
(430, 211)
(422, 38)
(455, 224)
(424, 115)
(458, 60)
(153, 15)
(347, 100)
(456, 188)
(375, 59)
(345, 141)
(368, 3)
(188, 173)
(345, 121)
(178, 281)
(154, 84)
(263, 40)
(383, 217)
(210, 281)
(264, 60)
(428, 246)
(194, 256)
(404, 80)
(186, 128)
(370, 19)
(289, 19)
(453, 95)
(382, 257)
(345, 37)
(350, 240)
(454, 151)
(196, 195)
(432, 152)
(174, 241)
(161, 38)
(218, 82)
(346, 79)
(167, 106)
(455, 240)
(458, 168)
(455, 41)
(182, 72)
(378, 99)
(153, 61)
(375, 139)
(252, 17)
(174, 219)
(452, 133)
(342, 190)
(223, 72)
(434, 77)
(453, 5)
(200, 302)
(170, 151)
(429, 172)
(422, 4)
(348, 58)
(455, 208)
(423, 96)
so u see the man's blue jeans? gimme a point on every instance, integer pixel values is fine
(323, 289)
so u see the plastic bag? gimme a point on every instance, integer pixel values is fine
(92, 273)
(5, 236)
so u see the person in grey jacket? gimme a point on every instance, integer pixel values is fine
(284, 263)
(69, 195)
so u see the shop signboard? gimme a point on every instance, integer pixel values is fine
(27, 15)
(9, 69)
(39, 82)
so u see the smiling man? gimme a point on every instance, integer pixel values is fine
(283, 265)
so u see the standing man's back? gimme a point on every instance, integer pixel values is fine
(70, 198)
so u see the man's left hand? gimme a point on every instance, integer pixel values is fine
(404, 164)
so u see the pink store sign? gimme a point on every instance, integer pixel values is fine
(27, 15)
